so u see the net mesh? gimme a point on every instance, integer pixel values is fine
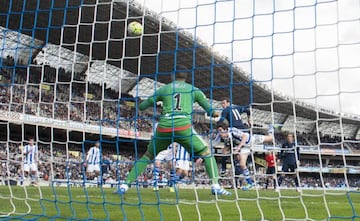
(71, 76)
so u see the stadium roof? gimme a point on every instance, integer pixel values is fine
(21, 47)
(57, 56)
(96, 29)
(111, 76)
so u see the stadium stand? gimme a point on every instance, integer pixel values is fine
(73, 91)
(49, 97)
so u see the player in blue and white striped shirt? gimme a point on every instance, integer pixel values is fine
(183, 160)
(241, 143)
(232, 114)
(179, 163)
(92, 163)
(30, 161)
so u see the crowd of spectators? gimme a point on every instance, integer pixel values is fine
(46, 92)
(53, 93)
(60, 164)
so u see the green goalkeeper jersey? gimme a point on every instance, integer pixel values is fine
(177, 99)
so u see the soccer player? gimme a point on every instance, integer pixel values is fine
(270, 159)
(182, 164)
(167, 156)
(245, 141)
(289, 158)
(92, 162)
(232, 114)
(238, 172)
(175, 125)
(179, 163)
(30, 156)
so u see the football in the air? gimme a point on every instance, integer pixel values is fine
(135, 28)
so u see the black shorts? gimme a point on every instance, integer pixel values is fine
(238, 170)
(270, 170)
(289, 167)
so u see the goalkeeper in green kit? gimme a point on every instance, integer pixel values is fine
(175, 125)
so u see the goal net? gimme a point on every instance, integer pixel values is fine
(72, 74)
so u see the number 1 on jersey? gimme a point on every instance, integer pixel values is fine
(177, 98)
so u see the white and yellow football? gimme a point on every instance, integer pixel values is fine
(135, 28)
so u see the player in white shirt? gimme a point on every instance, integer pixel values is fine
(92, 162)
(30, 161)
(183, 161)
(241, 143)
(177, 158)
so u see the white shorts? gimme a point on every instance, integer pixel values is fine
(92, 168)
(245, 150)
(30, 167)
(183, 164)
(165, 155)
(255, 139)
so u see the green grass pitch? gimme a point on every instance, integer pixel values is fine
(77, 203)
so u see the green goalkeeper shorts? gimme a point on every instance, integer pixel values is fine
(188, 138)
